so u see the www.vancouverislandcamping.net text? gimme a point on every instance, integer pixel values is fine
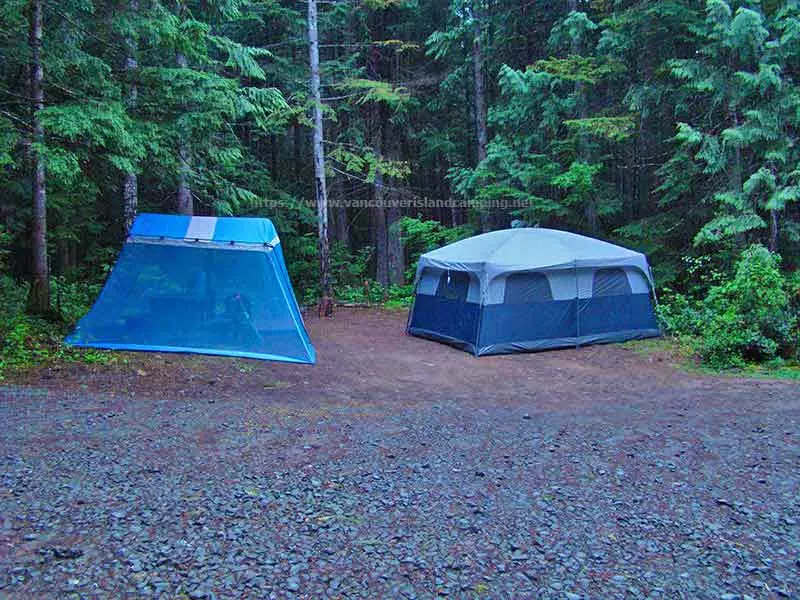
(422, 203)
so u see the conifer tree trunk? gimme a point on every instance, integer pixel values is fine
(394, 243)
(39, 299)
(479, 98)
(379, 198)
(773, 230)
(320, 189)
(185, 203)
(342, 228)
(590, 209)
(735, 174)
(130, 186)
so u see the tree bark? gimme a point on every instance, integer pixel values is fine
(735, 177)
(130, 185)
(342, 225)
(379, 199)
(320, 189)
(774, 231)
(479, 98)
(395, 266)
(185, 203)
(39, 299)
(185, 200)
(381, 242)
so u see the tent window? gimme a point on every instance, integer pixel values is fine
(453, 285)
(526, 288)
(610, 282)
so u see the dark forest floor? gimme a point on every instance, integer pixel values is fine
(398, 467)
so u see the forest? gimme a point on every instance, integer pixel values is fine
(669, 127)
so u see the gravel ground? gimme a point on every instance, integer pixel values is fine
(594, 473)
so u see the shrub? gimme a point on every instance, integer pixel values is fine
(748, 318)
(26, 341)
(420, 236)
(5, 243)
(678, 314)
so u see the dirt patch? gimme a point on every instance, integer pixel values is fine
(398, 468)
(365, 355)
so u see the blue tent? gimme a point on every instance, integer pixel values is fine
(206, 285)
(530, 289)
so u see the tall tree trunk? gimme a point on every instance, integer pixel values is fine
(320, 189)
(379, 215)
(735, 177)
(395, 266)
(381, 242)
(394, 243)
(379, 198)
(297, 143)
(185, 200)
(582, 154)
(773, 230)
(342, 230)
(130, 186)
(185, 203)
(479, 98)
(39, 299)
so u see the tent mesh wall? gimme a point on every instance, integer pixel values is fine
(212, 299)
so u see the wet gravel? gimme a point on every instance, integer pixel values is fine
(102, 497)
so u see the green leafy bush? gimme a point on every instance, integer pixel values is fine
(26, 341)
(371, 292)
(751, 317)
(5, 243)
(420, 236)
(73, 299)
(678, 314)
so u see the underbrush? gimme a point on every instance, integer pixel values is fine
(748, 321)
(29, 341)
(371, 292)
(681, 352)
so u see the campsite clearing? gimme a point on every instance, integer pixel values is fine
(398, 467)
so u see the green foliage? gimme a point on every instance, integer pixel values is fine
(368, 165)
(579, 69)
(614, 129)
(752, 317)
(420, 236)
(741, 109)
(678, 315)
(5, 241)
(27, 341)
(371, 292)
(8, 139)
(371, 90)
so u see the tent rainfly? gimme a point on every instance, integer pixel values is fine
(205, 285)
(528, 289)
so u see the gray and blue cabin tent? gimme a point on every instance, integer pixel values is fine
(528, 289)
(205, 285)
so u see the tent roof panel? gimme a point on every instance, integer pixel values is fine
(531, 248)
(244, 230)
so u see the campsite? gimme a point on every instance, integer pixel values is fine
(398, 467)
(402, 299)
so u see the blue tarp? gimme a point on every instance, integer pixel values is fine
(204, 285)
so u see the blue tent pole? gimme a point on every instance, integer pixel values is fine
(577, 306)
(477, 351)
